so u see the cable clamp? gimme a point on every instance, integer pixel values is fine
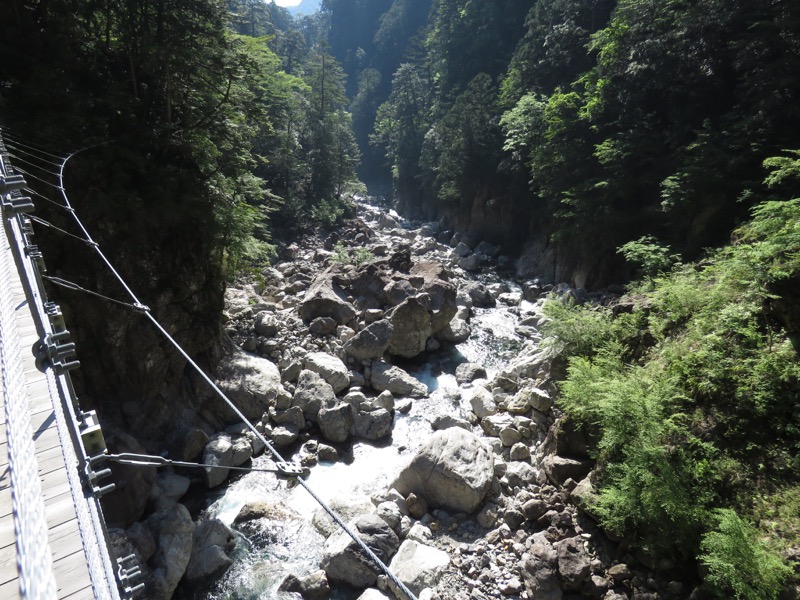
(11, 183)
(18, 205)
(53, 312)
(288, 469)
(139, 307)
(54, 351)
(127, 570)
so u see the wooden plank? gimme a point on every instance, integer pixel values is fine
(10, 590)
(65, 540)
(8, 563)
(60, 509)
(54, 484)
(50, 459)
(86, 593)
(71, 573)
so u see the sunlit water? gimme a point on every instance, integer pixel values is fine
(268, 549)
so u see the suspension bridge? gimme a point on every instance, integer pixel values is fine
(53, 539)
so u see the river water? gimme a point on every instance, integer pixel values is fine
(268, 549)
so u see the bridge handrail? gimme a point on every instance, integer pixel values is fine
(34, 559)
(105, 579)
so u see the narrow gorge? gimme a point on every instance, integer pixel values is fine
(402, 370)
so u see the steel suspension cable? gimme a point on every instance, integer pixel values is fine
(276, 455)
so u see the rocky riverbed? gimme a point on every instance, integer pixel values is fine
(470, 486)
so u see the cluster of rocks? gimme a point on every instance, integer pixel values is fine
(487, 508)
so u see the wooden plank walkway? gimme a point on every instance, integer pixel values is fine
(66, 544)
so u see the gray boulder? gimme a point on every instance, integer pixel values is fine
(266, 324)
(462, 250)
(560, 468)
(219, 453)
(418, 566)
(455, 332)
(323, 326)
(336, 421)
(540, 572)
(386, 377)
(397, 291)
(293, 415)
(211, 542)
(371, 342)
(453, 470)
(251, 382)
(173, 530)
(481, 401)
(411, 326)
(344, 561)
(325, 298)
(330, 368)
(479, 294)
(311, 394)
(313, 586)
(573, 563)
(469, 372)
(441, 292)
(373, 425)
(168, 489)
(471, 262)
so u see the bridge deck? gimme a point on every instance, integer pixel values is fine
(69, 561)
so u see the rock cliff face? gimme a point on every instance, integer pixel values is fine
(526, 235)
(134, 379)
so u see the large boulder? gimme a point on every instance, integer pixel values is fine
(479, 294)
(345, 562)
(366, 284)
(386, 377)
(418, 566)
(133, 484)
(370, 342)
(313, 586)
(455, 332)
(168, 489)
(330, 368)
(573, 563)
(211, 543)
(540, 572)
(336, 421)
(560, 468)
(453, 470)
(173, 531)
(218, 455)
(325, 298)
(266, 324)
(311, 394)
(411, 326)
(442, 293)
(373, 425)
(251, 382)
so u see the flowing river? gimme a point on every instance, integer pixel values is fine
(290, 543)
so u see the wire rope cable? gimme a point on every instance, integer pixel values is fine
(29, 174)
(49, 225)
(368, 551)
(15, 152)
(10, 135)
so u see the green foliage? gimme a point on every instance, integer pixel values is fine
(648, 255)
(739, 564)
(355, 256)
(574, 330)
(783, 169)
(692, 398)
